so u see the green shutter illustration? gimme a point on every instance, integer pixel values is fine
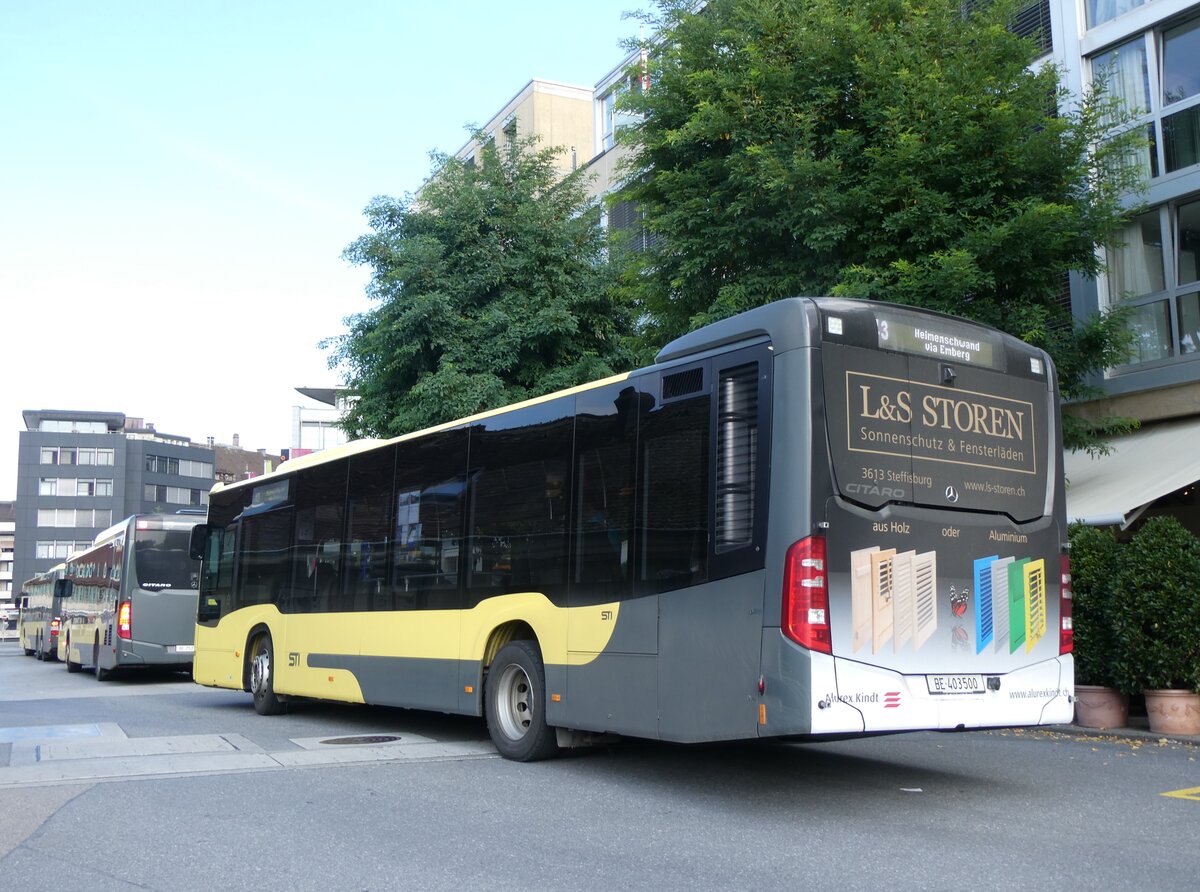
(1016, 604)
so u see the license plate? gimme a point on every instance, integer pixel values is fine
(955, 684)
(184, 648)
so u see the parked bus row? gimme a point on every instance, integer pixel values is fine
(820, 517)
(127, 601)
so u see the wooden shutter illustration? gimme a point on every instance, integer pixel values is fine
(882, 588)
(983, 602)
(902, 619)
(860, 595)
(924, 597)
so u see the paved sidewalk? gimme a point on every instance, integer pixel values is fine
(1138, 729)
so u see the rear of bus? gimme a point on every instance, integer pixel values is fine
(155, 619)
(929, 585)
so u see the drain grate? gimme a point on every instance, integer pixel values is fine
(362, 740)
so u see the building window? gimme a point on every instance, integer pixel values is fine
(1154, 269)
(1034, 21)
(1156, 79)
(1101, 11)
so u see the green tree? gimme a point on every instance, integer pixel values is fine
(901, 150)
(491, 287)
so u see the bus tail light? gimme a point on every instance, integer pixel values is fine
(1066, 631)
(54, 624)
(806, 595)
(124, 616)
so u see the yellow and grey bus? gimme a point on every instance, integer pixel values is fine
(39, 613)
(819, 517)
(129, 601)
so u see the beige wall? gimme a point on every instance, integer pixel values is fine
(559, 114)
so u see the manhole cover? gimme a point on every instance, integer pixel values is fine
(366, 739)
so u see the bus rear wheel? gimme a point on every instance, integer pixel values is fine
(515, 704)
(262, 681)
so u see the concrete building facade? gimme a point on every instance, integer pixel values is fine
(80, 472)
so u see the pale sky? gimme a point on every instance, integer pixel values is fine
(178, 179)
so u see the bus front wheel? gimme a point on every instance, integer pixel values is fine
(262, 681)
(515, 704)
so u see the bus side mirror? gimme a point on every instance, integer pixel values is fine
(198, 542)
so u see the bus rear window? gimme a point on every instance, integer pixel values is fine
(161, 559)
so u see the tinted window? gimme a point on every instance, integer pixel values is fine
(518, 532)
(674, 472)
(368, 529)
(606, 430)
(263, 569)
(320, 495)
(428, 504)
(162, 560)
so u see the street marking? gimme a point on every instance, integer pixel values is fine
(1189, 793)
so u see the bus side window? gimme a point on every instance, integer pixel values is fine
(368, 525)
(674, 477)
(320, 498)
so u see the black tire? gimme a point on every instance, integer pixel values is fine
(101, 674)
(38, 653)
(72, 667)
(514, 701)
(262, 678)
(28, 651)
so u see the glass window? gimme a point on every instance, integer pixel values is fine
(264, 565)
(87, 456)
(1127, 75)
(49, 457)
(673, 517)
(48, 486)
(105, 456)
(161, 559)
(1135, 263)
(1151, 326)
(430, 492)
(606, 428)
(104, 487)
(368, 529)
(1181, 61)
(320, 498)
(1188, 218)
(1101, 11)
(518, 527)
(1181, 139)
(1189, 323)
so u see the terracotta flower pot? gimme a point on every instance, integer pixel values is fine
(1100, 707)
(1173, 712)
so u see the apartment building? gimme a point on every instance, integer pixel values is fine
(79, 472)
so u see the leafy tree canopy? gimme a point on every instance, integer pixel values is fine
(901, 150)
(490, 288)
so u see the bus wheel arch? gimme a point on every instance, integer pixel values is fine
(515, 702)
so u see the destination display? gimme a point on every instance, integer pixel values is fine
(938, 339)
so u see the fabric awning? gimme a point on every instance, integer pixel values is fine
(1143, 466)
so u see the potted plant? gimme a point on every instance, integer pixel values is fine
(1158, 584)
(1101, 700)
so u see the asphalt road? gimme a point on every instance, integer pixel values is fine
(155, 783)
